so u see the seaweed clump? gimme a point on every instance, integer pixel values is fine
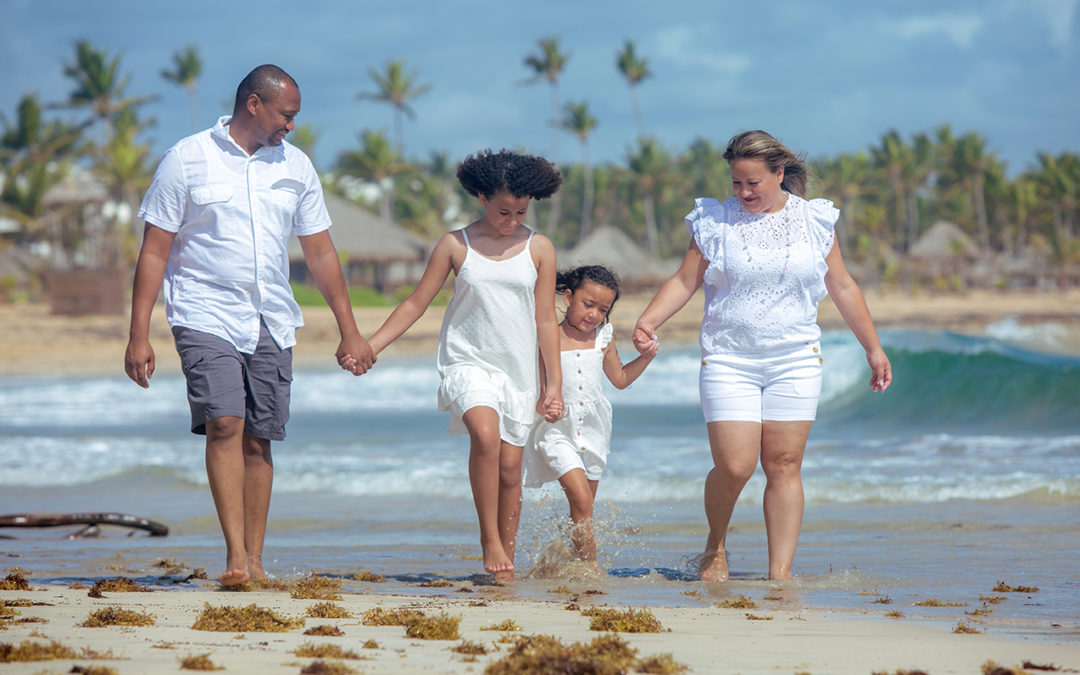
(15, 581)
(240, 619)
(115, 616)
(934, 602)
(962, 627)
(437, 583)
(738, 602)
(93, 670)
(367, 575)
(1002, 587)
(441, 627)
(623, 621)
(324, 651)
(315, 587)
(325, 630)
(604, 655)
(327, 668)
(469, 648)
(28, 650)
(117, 585)
(509, 624)
(390, 617)
(328, 610)
(199, 662)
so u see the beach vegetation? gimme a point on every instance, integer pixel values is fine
(437, 583)
(324, 651)
(328, 610)
(30, 619)
(738, 602)
(369, 576)
(22, 602)
(894, 615)
(882, 600)
(1002, 587)
(370, 644)
(991, 599)
(964, 627)
(508, 624)
(756, 617)
(605, 655)
(117, 585)
(390, 617)
(327, 668)
(251, 618)
(115, 616)
(316, 587)
(6, 611)
(934, 602)
(28, 650)
(77, 585)
(467, 647)
(622, 621)
(15, 581)
(199, 662)
(980, 611)
(441, 627)
(266, 584)
(325, 630)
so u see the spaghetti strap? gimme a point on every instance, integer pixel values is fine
(466, 236)
(529, 240)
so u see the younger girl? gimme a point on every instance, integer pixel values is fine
(503, 309)
(574, 449)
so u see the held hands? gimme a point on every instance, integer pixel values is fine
(645, 340)
(355, 355)
(880, 370)
(139, 361)
(551, 407)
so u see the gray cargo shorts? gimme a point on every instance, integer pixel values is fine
(224, 382)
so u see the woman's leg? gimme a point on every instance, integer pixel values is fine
(782, 448)
(509, 502)
(581, 493)
(735, 447)
(484, 478)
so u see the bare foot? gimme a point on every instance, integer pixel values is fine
(255, 567)
(781, 574)
(234, 577)
(714, 566)
(496, 562)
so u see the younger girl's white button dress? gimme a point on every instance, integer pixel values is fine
(487, 346)
(582, 437)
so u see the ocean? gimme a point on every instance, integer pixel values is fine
(964, 474)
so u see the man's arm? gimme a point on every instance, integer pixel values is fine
(149, 271)
(322, 261)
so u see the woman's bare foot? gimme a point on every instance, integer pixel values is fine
(780, 574)
(496, 562)
(234, 577)
(714, 565)
(255, 567)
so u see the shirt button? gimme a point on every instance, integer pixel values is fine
(702, 361)
(579, 387)
(816, 350)
(579, 370)
(820, 360)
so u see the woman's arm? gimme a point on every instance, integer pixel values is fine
(414, 306)
(547, 327)
(672, 296)
(852, 305)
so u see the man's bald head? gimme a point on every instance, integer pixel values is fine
(265, 81)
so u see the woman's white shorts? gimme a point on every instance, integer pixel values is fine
(783, 386)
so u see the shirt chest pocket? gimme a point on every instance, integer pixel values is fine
(285, 195)
(213, 193)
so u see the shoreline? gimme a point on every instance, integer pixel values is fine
(35, 342)
(704, 639)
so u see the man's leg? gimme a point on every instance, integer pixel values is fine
(258, 480)
(225, 467)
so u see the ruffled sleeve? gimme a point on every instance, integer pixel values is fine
(705, 224)
(603, 336)
(821, 217)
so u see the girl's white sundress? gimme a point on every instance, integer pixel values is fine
(582, 438)
(487, 346)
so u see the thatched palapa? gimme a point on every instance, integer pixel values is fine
(611, 247)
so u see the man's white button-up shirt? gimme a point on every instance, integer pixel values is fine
(233, 214)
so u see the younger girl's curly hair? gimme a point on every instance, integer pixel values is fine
(572, 279)
(487, 172)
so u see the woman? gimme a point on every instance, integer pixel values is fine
(766, 258)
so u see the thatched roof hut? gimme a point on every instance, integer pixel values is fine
(370, 246)
(944, 240)
(611, 247)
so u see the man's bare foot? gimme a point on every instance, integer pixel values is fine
(234, 577)
(255, 567)
(714, 565)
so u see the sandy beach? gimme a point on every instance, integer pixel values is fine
(770, 639)
(35, 342)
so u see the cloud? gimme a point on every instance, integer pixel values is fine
(960, 28)
(681, 46)
(1057, 14)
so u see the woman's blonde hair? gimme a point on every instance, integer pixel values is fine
(761, 145)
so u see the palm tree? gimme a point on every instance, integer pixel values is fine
(377, 161)
(123, 164)
(634, 69)
(892, 158)
(187, 66)
(579, 121)
(647, 164)
(98, 85)
(305, 137)
(844, 179)
(548, 64)
(971, 162)
(397, 87)
(1058, 180)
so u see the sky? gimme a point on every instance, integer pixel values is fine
(824, 76)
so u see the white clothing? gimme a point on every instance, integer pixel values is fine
(233, 214)
(487, 347)
(581, 439)
(766, 273)
(781, 386)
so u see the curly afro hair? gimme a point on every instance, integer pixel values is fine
(487, 172)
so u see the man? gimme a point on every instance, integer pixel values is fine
(219, 214)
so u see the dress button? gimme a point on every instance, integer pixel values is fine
(816, 350)
(579, 387)
(820, 360)
(579, 370)
(702, 361)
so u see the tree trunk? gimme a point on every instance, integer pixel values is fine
(651, 235)
(980, 211)
(587, 201)
(556, 199)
